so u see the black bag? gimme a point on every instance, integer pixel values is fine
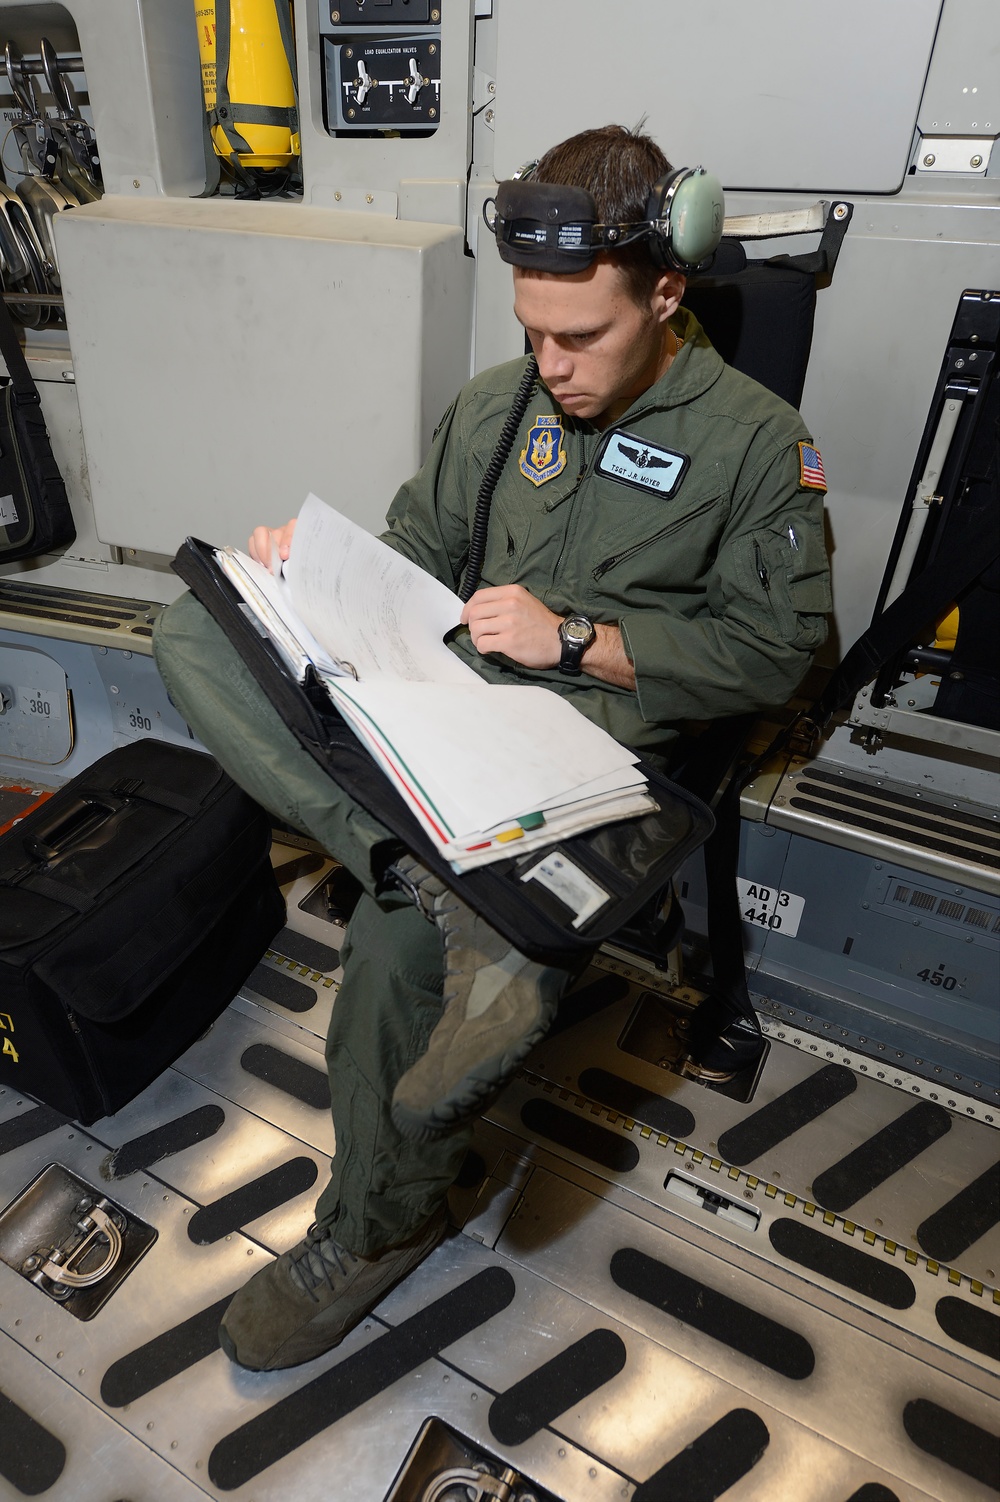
(133, 904)
(35, 515)
(627, 861)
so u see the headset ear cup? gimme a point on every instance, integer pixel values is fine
(696, 218)
(692, 203)
(659, 244)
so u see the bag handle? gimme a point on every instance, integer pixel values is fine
(25, 389)
(68, 828)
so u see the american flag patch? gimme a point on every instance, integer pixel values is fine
(811, 476)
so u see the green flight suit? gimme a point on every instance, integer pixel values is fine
(719, 587)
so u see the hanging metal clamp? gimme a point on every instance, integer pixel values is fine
(56, 1269)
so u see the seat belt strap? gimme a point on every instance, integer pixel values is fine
(971, 547)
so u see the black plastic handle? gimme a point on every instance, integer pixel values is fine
(69, 827)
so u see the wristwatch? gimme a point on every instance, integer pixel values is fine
(575, 634)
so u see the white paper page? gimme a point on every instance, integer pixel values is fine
(269, 598)
(483, 754)
(617, 781)
(570, 818)
(368, 605)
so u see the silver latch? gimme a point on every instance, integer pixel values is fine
(58, 1269)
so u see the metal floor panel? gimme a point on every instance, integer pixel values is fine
(324, 986)
(214, 1139)
(101, 1460)
(216, 1061)
(895, 1209)
(239, 1152)
(657, 1405)
(485, 1216)
(857, 1391)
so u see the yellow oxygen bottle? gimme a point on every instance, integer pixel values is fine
(947, 630)
(247, 61)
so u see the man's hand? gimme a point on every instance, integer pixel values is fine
(508, 619)
(266, 540)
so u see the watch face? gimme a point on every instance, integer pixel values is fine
(577, 630)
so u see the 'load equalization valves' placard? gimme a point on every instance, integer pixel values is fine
(376, 85)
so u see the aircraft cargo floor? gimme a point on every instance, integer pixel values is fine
(653, 1290)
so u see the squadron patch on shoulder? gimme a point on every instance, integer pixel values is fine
(811, 476)
(632, 461)
(544, 455)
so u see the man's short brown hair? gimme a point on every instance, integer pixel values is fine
(617, 167)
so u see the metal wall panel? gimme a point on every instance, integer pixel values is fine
(695, 72)
(962, 94)
(232, 357)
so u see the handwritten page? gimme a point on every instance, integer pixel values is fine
(484, 768)
(269, 599)
(368, 605)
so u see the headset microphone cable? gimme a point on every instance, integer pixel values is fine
(484, 499)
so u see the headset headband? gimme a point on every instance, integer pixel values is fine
(555, 228)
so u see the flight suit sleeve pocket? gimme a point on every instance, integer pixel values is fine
(808, 569)
(784, 578)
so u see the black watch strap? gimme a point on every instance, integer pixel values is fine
(575, 635)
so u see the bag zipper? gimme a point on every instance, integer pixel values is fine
(609, 563)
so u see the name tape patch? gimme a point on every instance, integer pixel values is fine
(632, 461)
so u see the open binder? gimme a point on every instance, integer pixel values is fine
(553, 903)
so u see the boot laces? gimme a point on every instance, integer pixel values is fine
(320, 1262)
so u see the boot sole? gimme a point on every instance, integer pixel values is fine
(442, 1116)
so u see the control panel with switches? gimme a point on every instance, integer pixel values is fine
(379, 82)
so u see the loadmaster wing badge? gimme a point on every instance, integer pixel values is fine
(544, 455)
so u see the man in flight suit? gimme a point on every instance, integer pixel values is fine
(672, 506)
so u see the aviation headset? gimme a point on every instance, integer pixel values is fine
(551, 227)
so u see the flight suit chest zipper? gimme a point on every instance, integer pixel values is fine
(637, 547)
(571, 499)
